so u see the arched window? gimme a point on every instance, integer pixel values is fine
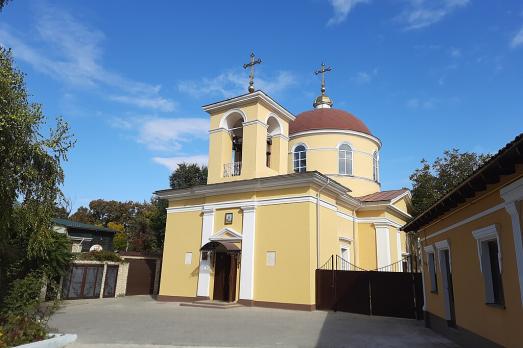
(300, 159)
(345, 159)
(375, 166)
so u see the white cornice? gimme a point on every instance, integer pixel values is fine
(336, 131)
(248, 123)
(512, 192)
(260, 184)
(387, 206)
(257, 96)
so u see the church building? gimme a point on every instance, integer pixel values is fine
(284, 194)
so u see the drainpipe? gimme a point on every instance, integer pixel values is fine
(318, 223)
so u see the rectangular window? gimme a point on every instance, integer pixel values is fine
(188, 258)
(491, 272)
(271, 258)
(432, 273)
(487, 239)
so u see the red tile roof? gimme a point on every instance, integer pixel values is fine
(327, 118)
(382, 196)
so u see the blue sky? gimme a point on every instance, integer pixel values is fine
(130, 76)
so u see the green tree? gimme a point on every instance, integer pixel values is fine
(3, 3)
(120, 241)
(188, 175)
(158, 218)
(30, 163)
(433, 180)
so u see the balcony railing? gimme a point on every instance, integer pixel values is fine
(232, 169)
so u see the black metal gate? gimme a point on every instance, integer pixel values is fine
(343, 287)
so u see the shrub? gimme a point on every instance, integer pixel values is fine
(101, 256)
(23, 319)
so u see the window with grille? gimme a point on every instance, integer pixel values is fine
(300, 159)
(345, 159)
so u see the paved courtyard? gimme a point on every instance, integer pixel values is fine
(139, 321)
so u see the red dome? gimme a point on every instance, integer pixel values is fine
(327, 118)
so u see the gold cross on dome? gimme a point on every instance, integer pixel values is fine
(251, 65)
(322, 71)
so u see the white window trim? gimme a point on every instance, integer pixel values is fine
(349, 158)
(444, 245)
(485, 234)
(376, 166)
(293, 154)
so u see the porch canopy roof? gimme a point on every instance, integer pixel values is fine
(220, 247)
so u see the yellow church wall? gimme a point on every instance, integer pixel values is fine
(182, 235)
(237, 220)
(366, 244)
(220, 153)
(499, 324)
(346, 229)
(329, 239)
(278, 231)
(401, 205)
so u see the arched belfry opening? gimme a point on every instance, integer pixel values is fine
(234, 125)
(273, 129)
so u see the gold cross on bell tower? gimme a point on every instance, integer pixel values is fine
(322, 101)
(251, 65)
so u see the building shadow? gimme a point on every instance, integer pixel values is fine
(341, 329)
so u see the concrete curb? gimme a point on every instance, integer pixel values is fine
(55, 341)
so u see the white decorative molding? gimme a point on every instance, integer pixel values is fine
(512, 192)
(282, 136)
(223, 120)
(336, 131)
(443, 245)
(204, 272)
(222, 235)
(398, 248)
(248, 123)
(379, 222)
(467, 220)
(485, 234)
(382, 245)
(247, 98)
(218, 130)
(512, 195)
(247, 255)
(345, 239)
(284, 200)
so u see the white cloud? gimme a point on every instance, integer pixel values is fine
(172, 162)
(235, 82)
(517, 40)
(73, 55)
(365, 77)
(156, 103)
(164, 134)
(342, 9)
(423, 13)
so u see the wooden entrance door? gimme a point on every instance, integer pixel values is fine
(225, 277)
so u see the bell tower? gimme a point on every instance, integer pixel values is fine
(248, 138)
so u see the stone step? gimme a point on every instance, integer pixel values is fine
(211, 304)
